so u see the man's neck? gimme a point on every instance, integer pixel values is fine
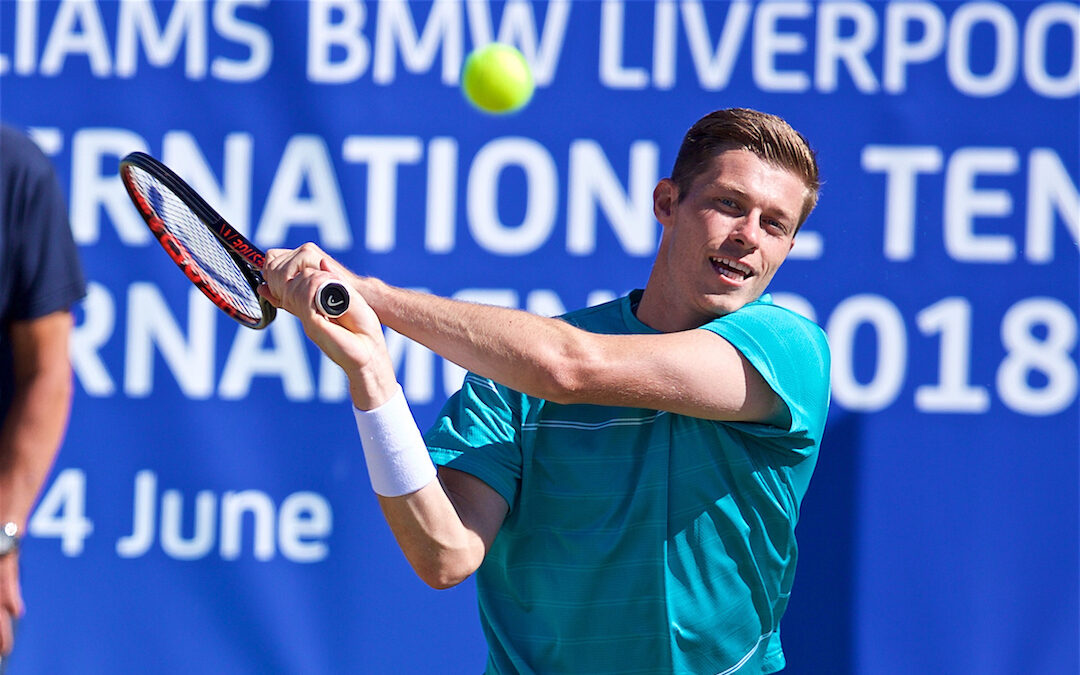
(664, 314)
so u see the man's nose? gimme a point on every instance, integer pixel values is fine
(748, 230)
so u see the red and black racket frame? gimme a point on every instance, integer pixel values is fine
(248, 257)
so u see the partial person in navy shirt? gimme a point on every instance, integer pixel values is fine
(40, 281)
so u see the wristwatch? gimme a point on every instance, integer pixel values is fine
(9, 538)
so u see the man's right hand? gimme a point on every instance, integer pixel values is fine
(11, 602)
(353, 340)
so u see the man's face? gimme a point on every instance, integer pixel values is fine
(730, 232)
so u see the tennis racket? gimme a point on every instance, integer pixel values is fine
(220, 261)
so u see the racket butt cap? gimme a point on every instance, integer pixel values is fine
(332, 299)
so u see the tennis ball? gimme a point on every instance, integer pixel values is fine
(496, 79)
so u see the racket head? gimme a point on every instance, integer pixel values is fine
(187, 228)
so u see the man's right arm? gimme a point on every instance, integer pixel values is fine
(446, 528)
(30, 435)
(444, 524)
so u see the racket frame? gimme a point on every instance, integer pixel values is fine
(248, 257)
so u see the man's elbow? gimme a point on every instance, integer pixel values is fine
(564, 386)
(442, 582)
(569, 373)
(575, 381)
(445, 562)
(442, 573)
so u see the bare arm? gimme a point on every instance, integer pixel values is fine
(691, 372)
(446, 527)
(38, 415)
(31, 434)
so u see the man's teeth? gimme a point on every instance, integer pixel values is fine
(731, 268)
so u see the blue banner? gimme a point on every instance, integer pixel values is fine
(210, 509)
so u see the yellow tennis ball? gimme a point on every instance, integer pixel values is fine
(497, 79)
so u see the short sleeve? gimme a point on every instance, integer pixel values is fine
(478, 432)
(792, 354)
(47, 276)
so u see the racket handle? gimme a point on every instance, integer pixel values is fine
(332, 299)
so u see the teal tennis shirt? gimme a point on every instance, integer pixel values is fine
(641, 541)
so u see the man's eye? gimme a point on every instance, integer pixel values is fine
(776, 225)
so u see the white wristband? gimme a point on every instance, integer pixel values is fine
(397, 459)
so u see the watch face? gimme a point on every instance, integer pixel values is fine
(9, 540)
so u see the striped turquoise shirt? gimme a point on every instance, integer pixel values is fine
(641, 541)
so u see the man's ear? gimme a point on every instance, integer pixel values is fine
(665, 197)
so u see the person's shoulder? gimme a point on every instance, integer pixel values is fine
(20, 153)
(10, 137)
(765, 309)
(588, 315)
(763, 313)
(781, 344)
(15, 142)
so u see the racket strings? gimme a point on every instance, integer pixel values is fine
(202, 248)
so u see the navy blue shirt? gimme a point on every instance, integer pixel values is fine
(39, 265)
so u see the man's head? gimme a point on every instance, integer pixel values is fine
(743, 184)
(767, 136)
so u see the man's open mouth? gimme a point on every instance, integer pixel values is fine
(732, 269)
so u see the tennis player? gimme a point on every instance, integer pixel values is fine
(624, 480)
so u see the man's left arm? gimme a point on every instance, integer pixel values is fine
(690, 372)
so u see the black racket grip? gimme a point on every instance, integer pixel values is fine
(332, 299)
